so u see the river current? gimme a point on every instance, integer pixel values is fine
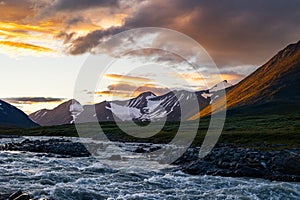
(57, 177)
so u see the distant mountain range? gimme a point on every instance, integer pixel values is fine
(145, 107)
(273, 88)
(11, 116)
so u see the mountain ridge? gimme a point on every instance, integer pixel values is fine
(62, 114)
(274, 82)
(11, 116)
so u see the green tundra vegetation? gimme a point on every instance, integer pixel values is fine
(241, 130)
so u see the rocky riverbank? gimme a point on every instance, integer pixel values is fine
(52, 146)
(235, 161)
(224, 160)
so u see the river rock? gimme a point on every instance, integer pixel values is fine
(291, 165)
(52, 146)
(15, 195)
(229, 160)
(115, 157)
(23, 197)
(19, 195)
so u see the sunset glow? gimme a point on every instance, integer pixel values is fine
(44, 43)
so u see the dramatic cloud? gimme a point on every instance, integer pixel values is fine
(239, 35)
(55, 22)
(16, 10)
(126, 86)
(234, 32)
(32, 100)
(15, 29)
(125, 78)
(199, 82)
(247, 32)
(87, 43)
(73, 5)
(26, 46)
(27, 37)
(232, 78)
(125, 90)
(156, 89)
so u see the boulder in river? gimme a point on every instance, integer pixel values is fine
(53, 146)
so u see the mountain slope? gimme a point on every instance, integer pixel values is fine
(170, 106)
(273, 88)
(65, 113)
(11, 116)
(144, 108)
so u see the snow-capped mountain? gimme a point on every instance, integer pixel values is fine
(11, 116)
(149, 107)
(145, 107)
(65, 113)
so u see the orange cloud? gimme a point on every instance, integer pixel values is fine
(43, 27)
(112, 20)
(26, 46)
(15, 10)
(232, 78)
(208, 80)
(43, 32)
(127, 78)
(115, 93)
(127, 90)
(156, 89)
(195, 77)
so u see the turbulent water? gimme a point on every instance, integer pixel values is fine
(91, 178)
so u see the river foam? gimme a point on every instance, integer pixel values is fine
(54, 177)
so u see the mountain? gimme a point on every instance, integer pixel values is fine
(143, 108)
(148, 107)
(271, 89)
(95, 113)
(65, 113)
(11, 116)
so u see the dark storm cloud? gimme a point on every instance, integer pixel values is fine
(73, 5)
(65, 36)
(234, 32)
(74, 21)
(91, 40)
(32, 100)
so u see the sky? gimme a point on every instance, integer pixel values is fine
(45, 43)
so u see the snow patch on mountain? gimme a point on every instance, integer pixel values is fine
(124, 113)
(206, 95)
